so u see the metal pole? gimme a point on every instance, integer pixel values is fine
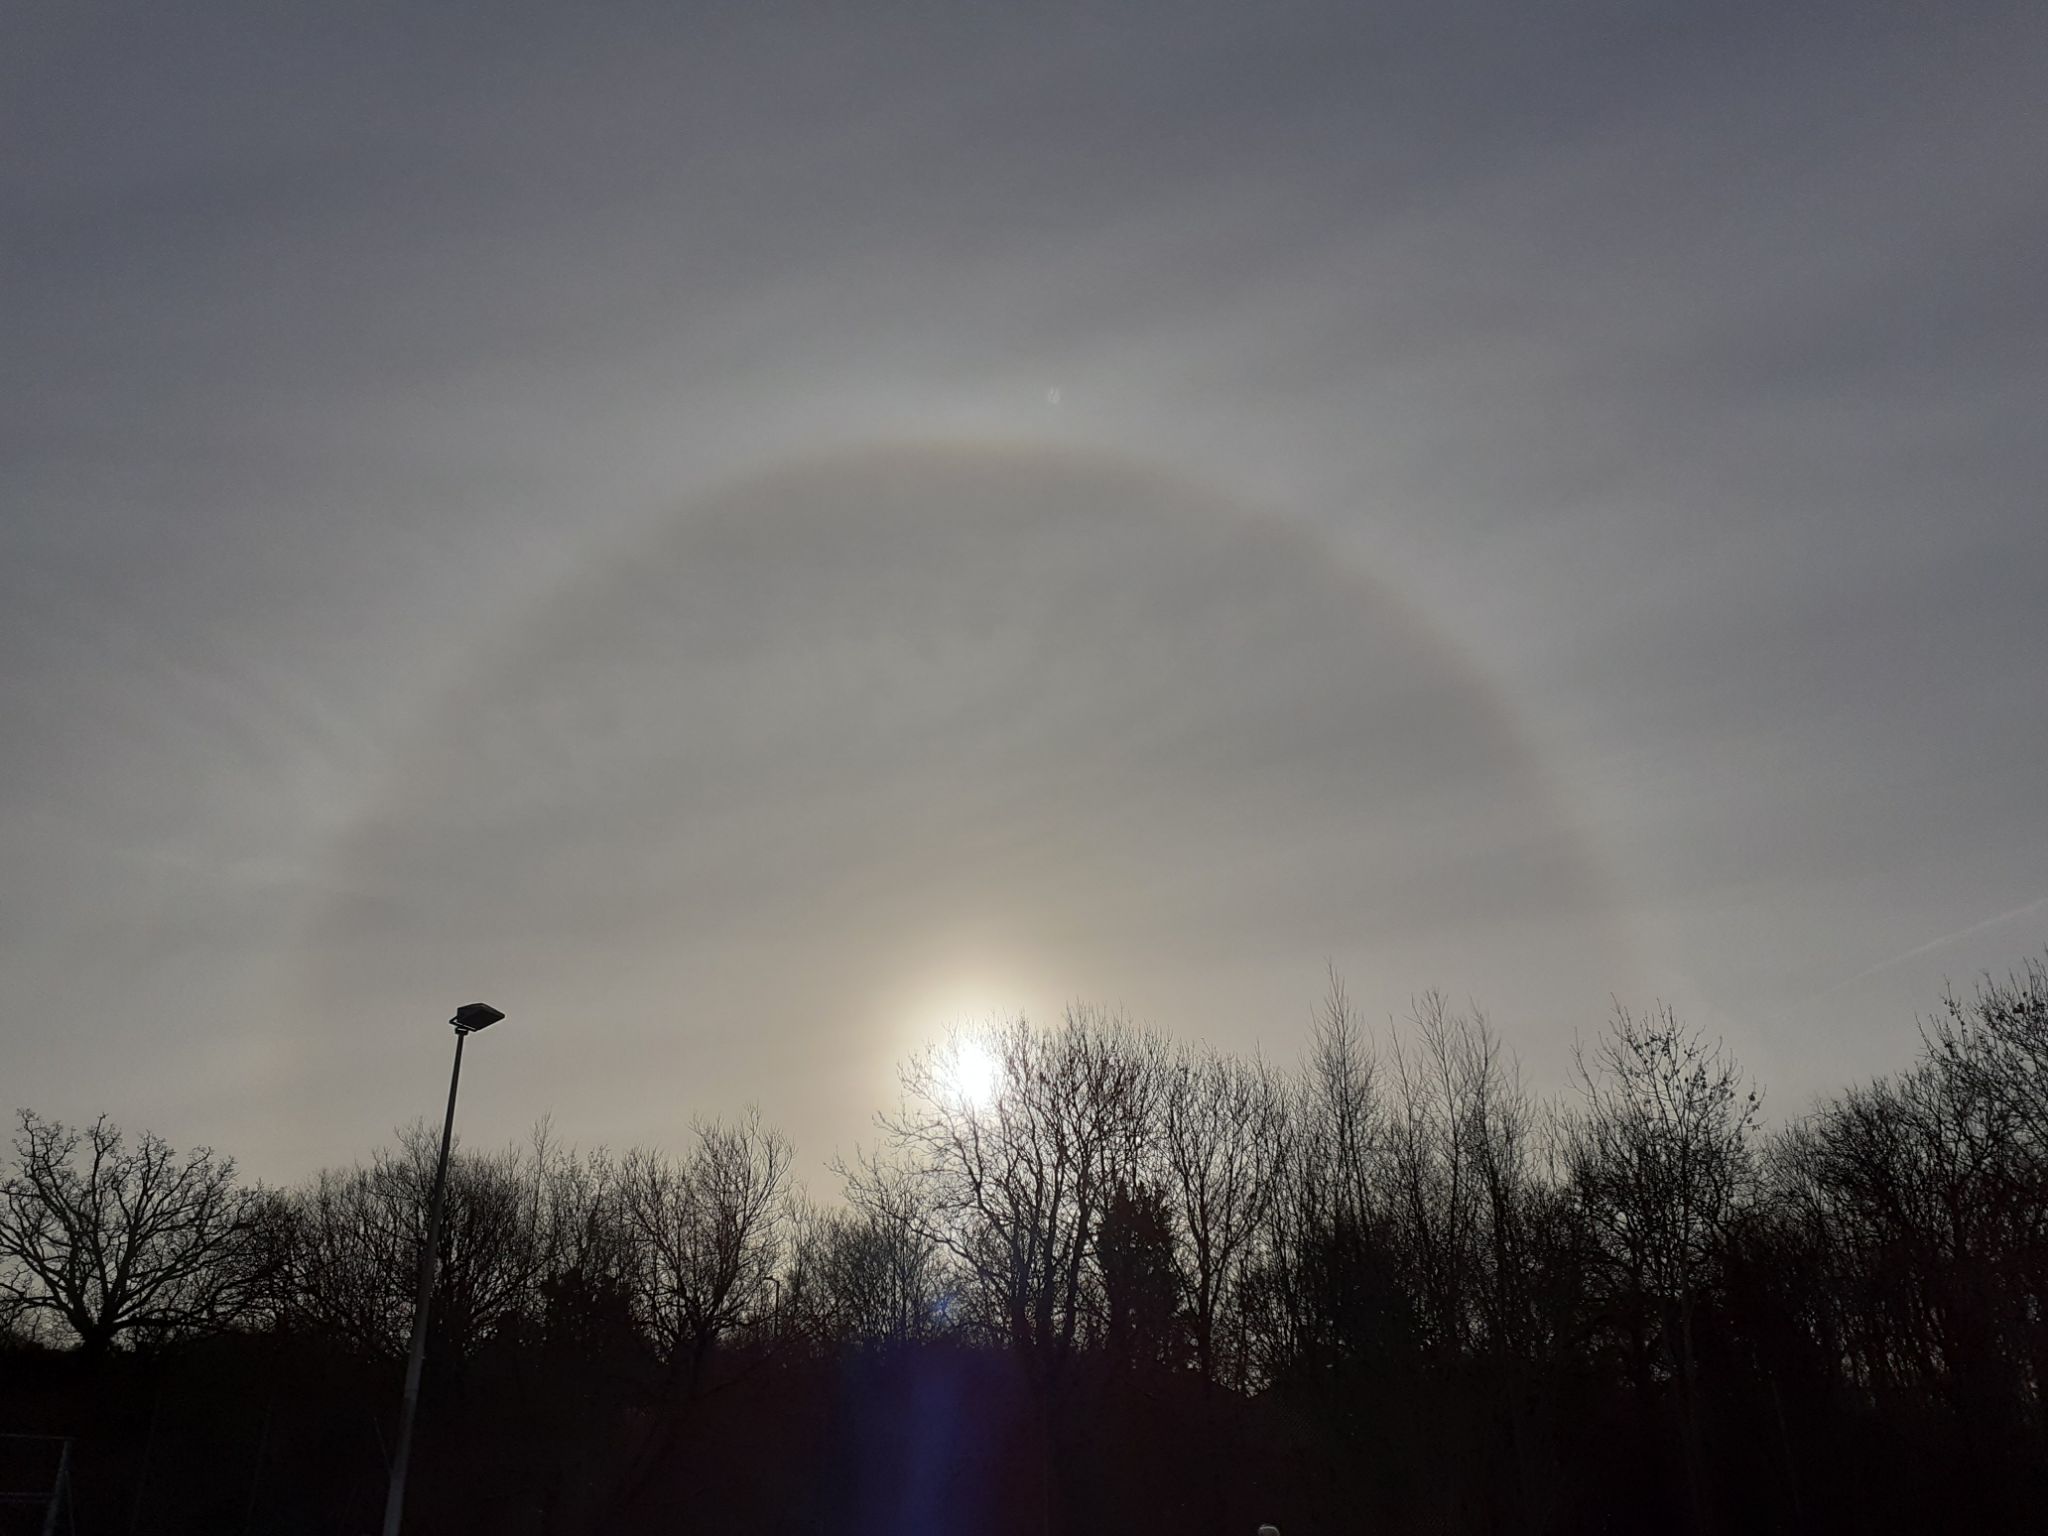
(60, 1491)
(394, 1501)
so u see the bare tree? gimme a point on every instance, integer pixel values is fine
(1318, 1289)
(358, 1235)
(877, 1273)
(708, 1232)
(1660, 1160)
(1340, 1111)
(587, 1252)
(1929, 1197)
(1472, 1220)
(1995, 1043)
(355, 1232)
(114, 1238)
(1018, 1174)
(1016, 1186)
(1444, 1082)
(709, 1229)
(1222, 1149)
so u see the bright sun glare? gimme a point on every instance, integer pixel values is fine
(972, 1073)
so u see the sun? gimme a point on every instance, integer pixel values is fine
(971, 1072)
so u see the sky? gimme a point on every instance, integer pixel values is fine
(743, 534)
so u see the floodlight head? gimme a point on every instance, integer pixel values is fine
(471, 1017)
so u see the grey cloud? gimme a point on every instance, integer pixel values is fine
(1678, 369)
(1045, 696)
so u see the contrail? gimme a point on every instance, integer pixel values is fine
(1932, 944)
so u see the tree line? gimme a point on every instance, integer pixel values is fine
(1091, 1278)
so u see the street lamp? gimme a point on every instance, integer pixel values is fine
(469, 1018)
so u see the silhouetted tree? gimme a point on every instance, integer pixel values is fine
(1322, 1288)
(709, 1229)
(876, 1274)
(1221, 1151)
(115, 1238)
(1660, 1160)
(1016, 1185)
(1388, 1290)
(358, 1235)
(1139, 1317)
(1928, 1194)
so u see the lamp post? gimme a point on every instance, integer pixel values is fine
(469, 1018)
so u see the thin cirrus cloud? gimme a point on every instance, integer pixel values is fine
(1043, 702)
(1672, 378)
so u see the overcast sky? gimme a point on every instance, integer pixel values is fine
(740, 533)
